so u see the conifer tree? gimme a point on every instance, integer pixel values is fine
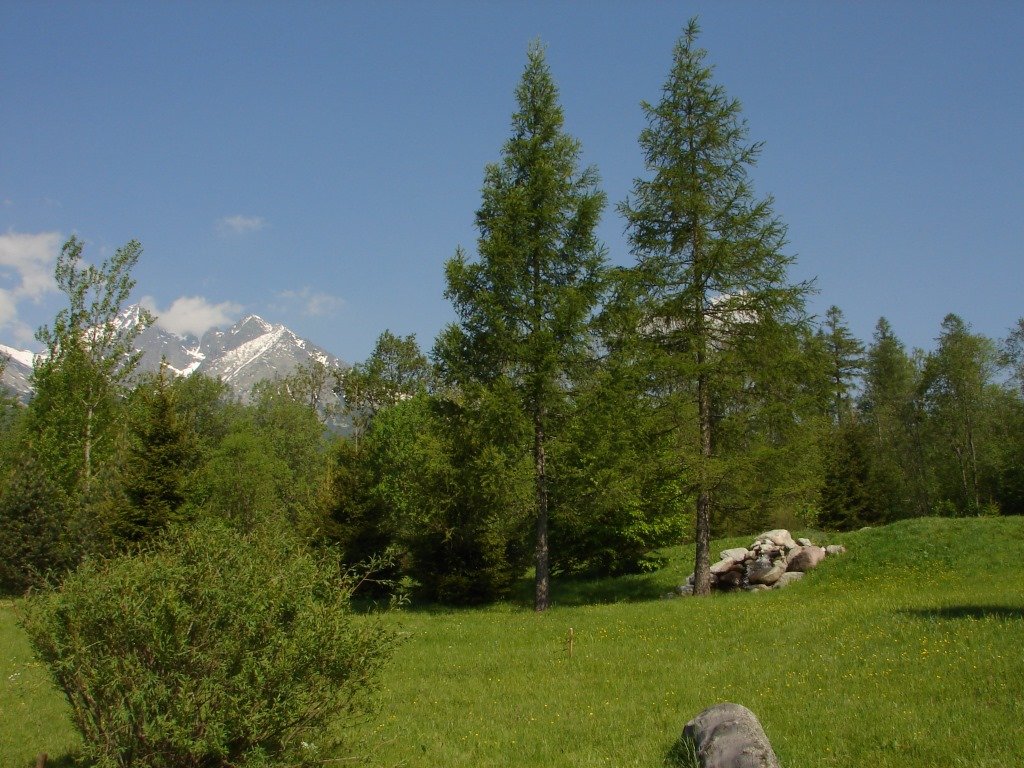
(845, 360)
(889, 409)
(160, 455)
(711, 255)
(524, 305)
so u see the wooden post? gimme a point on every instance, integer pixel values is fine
(570, 642)
(41, 760)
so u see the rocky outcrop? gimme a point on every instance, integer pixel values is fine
(729, 736)
(773, 561)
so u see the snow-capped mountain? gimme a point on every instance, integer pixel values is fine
(18, 371)
(250, 351)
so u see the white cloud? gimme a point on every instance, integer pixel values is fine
(27, 262)
(192, 314)
(240, 225)
(313, 303)
(26, 274)
(8, 307)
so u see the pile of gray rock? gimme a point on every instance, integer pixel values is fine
(773, 561)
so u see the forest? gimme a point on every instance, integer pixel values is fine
(575, 418)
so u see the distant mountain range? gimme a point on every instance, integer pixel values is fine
(251, 351)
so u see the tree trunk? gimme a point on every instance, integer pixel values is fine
(87, 468)
(702, 564)
(974, 466)
(543, 579)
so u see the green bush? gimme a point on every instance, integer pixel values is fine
(34, 515)
(214, 648)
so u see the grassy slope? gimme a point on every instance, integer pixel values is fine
(906, 651)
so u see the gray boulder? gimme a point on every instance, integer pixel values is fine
(835, 549)
(727, 564)
(764, 571)
(729, 736)
(736, 553)
(780, 537)
(804, 542)
(807, 559)
(788, 578)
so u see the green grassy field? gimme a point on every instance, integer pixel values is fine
(906, 651)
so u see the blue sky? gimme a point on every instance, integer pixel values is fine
(317, 162)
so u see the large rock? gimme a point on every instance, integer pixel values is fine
(835, 549)
(736, 553)
(780, 537)
(764, 571)
(788, 578)
(807, 559)
(727, 564)
(729, 736)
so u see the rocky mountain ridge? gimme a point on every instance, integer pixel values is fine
(250, 351)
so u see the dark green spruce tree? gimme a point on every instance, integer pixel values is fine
(889, 410)
(524, 306)
(711, 255)
(161, 454)
(845, 355)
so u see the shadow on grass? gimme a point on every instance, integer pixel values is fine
(626, 589)
(968, 612)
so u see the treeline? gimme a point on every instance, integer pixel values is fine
(576, 416)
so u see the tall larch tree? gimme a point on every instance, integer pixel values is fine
(711, 255)
(524, 306)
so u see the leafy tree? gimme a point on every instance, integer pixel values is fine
(957, 390)
(618, 479)
(296, 439)
(90, 358)
(396, 370)
(206, 408)
(524, 306)
(1012, 353)
(711, 256)
(308, 385)
(444, 486)
(242, 480)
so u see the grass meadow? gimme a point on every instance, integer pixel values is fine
(906, 651)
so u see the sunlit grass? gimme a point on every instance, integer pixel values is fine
(33, 715)
(906, 651)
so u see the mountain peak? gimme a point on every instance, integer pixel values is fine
(255, 320)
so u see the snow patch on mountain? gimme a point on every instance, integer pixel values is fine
(22, 356)
(250, 351)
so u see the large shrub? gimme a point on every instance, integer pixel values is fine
(215, 648)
